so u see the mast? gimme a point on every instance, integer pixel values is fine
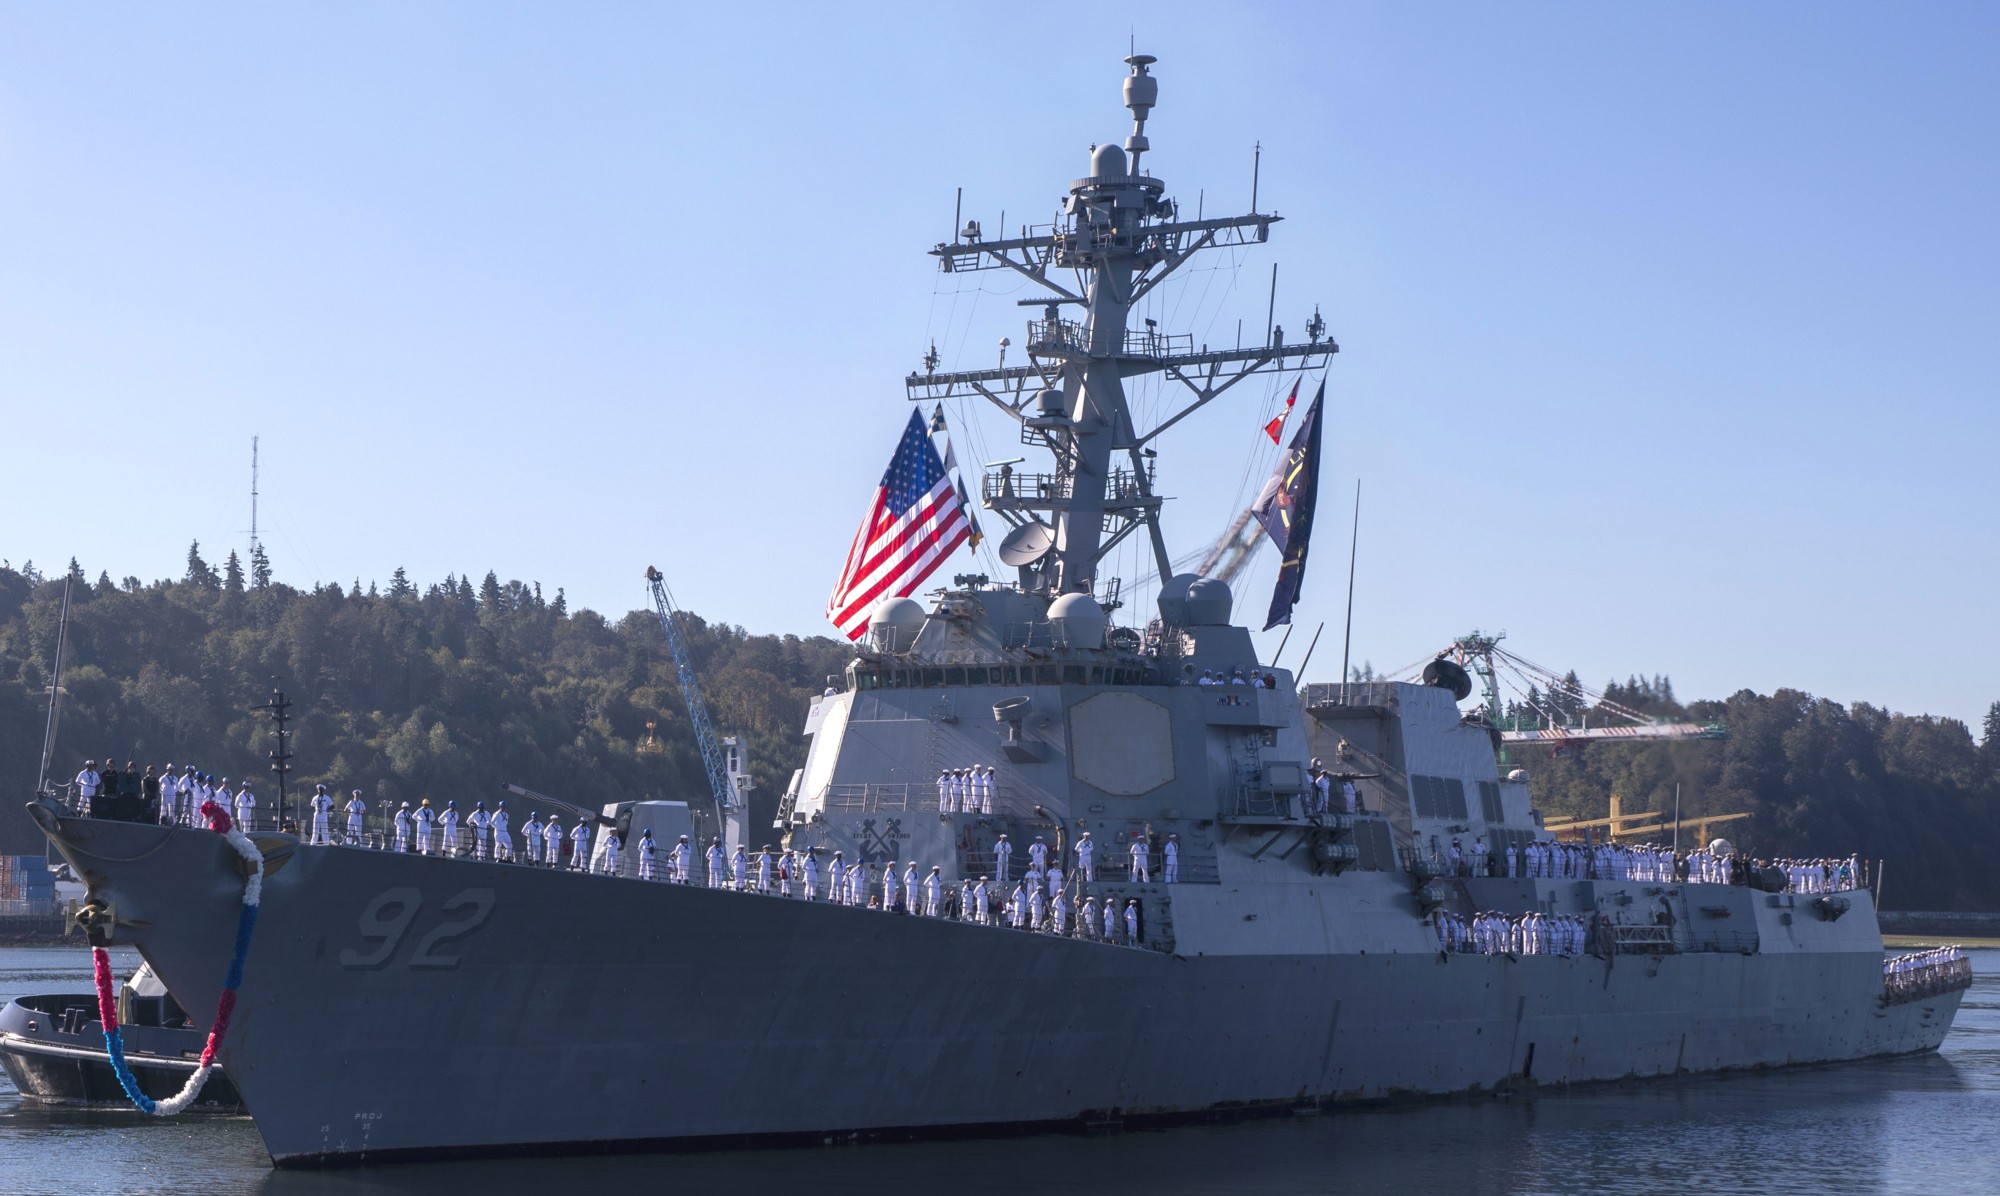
(1121, 236)
(253, 501)
(55, 689)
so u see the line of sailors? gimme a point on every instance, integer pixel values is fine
(1645, 862)
(1236, 676)
(1495, 933)
(969, 790)
(1939, 968)
(159, 794)
(1821, 876)
(1139, 867)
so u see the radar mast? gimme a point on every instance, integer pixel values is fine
(1121, 236)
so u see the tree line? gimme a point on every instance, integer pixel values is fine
(446, 690)
(443, 691)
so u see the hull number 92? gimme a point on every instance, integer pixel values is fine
(386, 921)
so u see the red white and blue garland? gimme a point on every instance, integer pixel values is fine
(246, 922)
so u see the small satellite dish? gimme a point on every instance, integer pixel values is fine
(1027, 544)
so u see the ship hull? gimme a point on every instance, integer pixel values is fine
(648, 1015)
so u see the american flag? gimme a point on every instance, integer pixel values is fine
(916, 521)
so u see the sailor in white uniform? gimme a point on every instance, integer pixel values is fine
(87, 782)
(981, 903)
(910, 888)
(477, 822)
(579, 845)
(1059, 913)
(1348, 796)
(426, 820)
(356, 810)
(1038, 854)
(1170, 856)
(322, 809)
(246, 805)
(764, 869)
(716, 876)
(739, 865)
(986, 790)
(1110, 920)
(889, 885)
(1086, 918)
(402, 827)
(811, 873)
(1132, 920)
(1139, 853)
(552, 838)
(646, 855)
(678, 860)
(448, 828)
(184, 805)
(531, 838)
(1003, 859)
(933, 891)
(611, 846)
(503, 842)
(1035, 908)
(944, 791)
(1085, 851)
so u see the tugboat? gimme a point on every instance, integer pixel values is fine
(52, 1046)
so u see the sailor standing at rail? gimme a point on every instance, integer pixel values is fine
(425, 818)
(986, 790)
(1038, 855)
(1003, 859)
(1132, 920)
(477, 822)
(1349, 797)
(356, 812)
(531, 838)
(322, 808)
(933, 890)
(503, 842)
(981, 903)
(552, 837)
(1110, 919)
(715, 861)
(764, 869)
(836, 880)
(403, 827)
(678, 860)
(1035, 908)
(857, 883)
(944, 791)
(738, 866)
(611, 846)
(646, 855)
(1138, 857)
(246, 805)
(87, 782)
(1059, 913)
(1086, 919)
(811, 873)
(579, 845)
(1084, 852)
(184, 808)
(889, 885)
(448, 828)
(1170, 856)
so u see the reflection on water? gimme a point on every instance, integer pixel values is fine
(1921, 1125)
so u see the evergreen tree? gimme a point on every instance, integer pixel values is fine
(1989, 740)
(260, 567)
(399, 584)
(199, 572)
(560, 605)
(76, 572)
(489, 592)
(232, 574)
(104, 585)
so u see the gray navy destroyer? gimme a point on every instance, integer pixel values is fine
(404, 1006)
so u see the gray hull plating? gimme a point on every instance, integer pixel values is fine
(683, 1013)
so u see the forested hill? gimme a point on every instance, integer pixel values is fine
(451, 689)
(446, 691)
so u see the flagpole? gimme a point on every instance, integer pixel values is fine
(1353, 542)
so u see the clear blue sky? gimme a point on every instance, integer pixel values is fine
(1668, 329)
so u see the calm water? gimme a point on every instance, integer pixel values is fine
(1925, 1125)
